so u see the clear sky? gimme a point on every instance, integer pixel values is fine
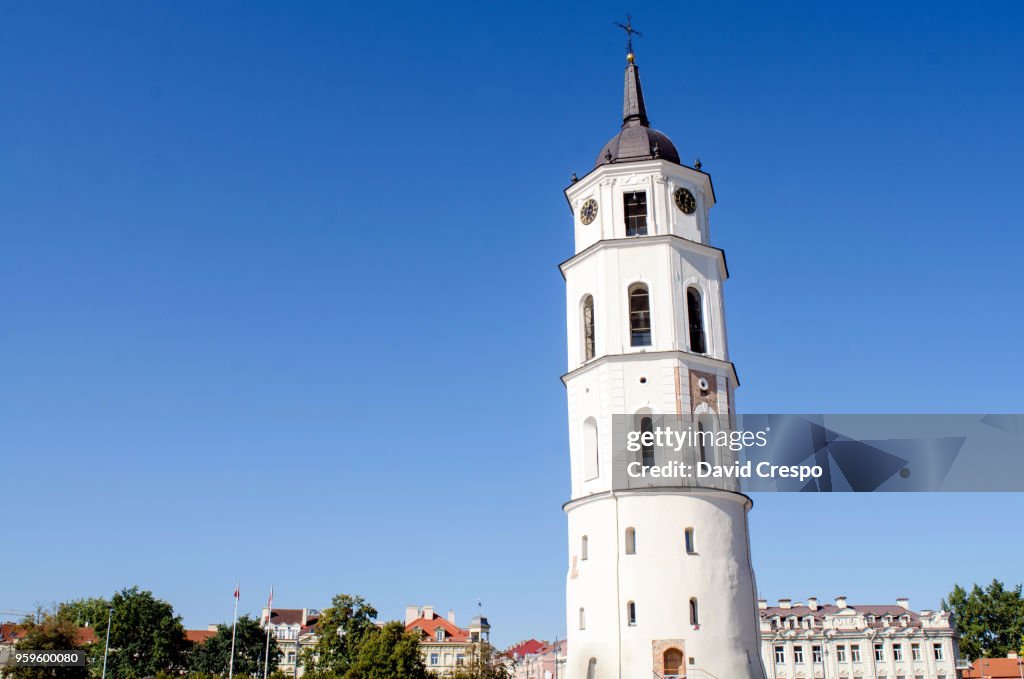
(279, 299)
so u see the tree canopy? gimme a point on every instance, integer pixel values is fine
(213, 655)
(388, 652)
(145, 636)
(48, 634)
(990, 620)
(88, 612)
(484, 663)
(342, 628)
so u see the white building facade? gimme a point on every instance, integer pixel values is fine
(842, 641)
(659, 580)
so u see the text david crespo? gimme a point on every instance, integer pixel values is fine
(735, 440)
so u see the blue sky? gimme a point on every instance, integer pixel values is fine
(280, 300)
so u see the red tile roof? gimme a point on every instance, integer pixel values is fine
(198, 636)
(429, 627)
(11, 633)
(528, 647)
(995, 668)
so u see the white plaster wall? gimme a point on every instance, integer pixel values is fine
(661, 578)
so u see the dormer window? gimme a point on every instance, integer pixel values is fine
(635, 204)
(440, 634)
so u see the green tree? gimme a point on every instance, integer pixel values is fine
(990, 620)
(341, 629)
(89, 612)
(145, 636)
(49, 633)
(389, 652)
(484, 663)
(213, 655)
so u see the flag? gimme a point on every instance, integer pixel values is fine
(236, 592)
(270, 601)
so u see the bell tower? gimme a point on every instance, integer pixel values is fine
(659, 580)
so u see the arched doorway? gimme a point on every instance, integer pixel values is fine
(673, 662)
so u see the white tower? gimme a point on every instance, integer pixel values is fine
(660, 582)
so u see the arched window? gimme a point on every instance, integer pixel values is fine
(583, 619)
(673, 661)
(647, 446)
(591, 467)
(583, 548)
(630, 541)
(631, 613)
(639, 316)
(695, 313)
(589, 345)
(688, 539)
(592, 669)
(694, 613)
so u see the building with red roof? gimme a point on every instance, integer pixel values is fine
(1011, 667)
(443, 643)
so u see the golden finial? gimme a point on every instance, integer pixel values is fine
(630, 57)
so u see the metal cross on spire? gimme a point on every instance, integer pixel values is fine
(630, 32)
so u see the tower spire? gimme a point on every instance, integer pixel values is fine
(633, 110)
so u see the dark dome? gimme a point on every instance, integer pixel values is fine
(636, 140)
(637, 143)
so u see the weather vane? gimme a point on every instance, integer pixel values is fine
(630, 32)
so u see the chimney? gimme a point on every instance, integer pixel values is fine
(451, 615)
(211, 628)
(841, 601)
(785, 603)
(305, 616)
(903, 603)
(812, 603)
(762, 604)
(411, 613)
(428, 612)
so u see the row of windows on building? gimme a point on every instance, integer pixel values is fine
(640, 320)
(435, 659)
(854, 653)
(631, 618)
(630, 543)
(808, 622)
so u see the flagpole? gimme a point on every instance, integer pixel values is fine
(266, 654)
(234, 624)
(106, 646)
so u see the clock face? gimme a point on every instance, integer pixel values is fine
(685, 201)
(588, 213)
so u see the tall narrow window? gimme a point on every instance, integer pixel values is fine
(589, 345)
(647, 445)
(636, 213)
(630, 541)
(695, 314)
(694, 613)
(631, 613)
(583, 619)
(592, 669)
(688, 537)
(583, 548)
(639, 316)
(701, 446)
(591, 466)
